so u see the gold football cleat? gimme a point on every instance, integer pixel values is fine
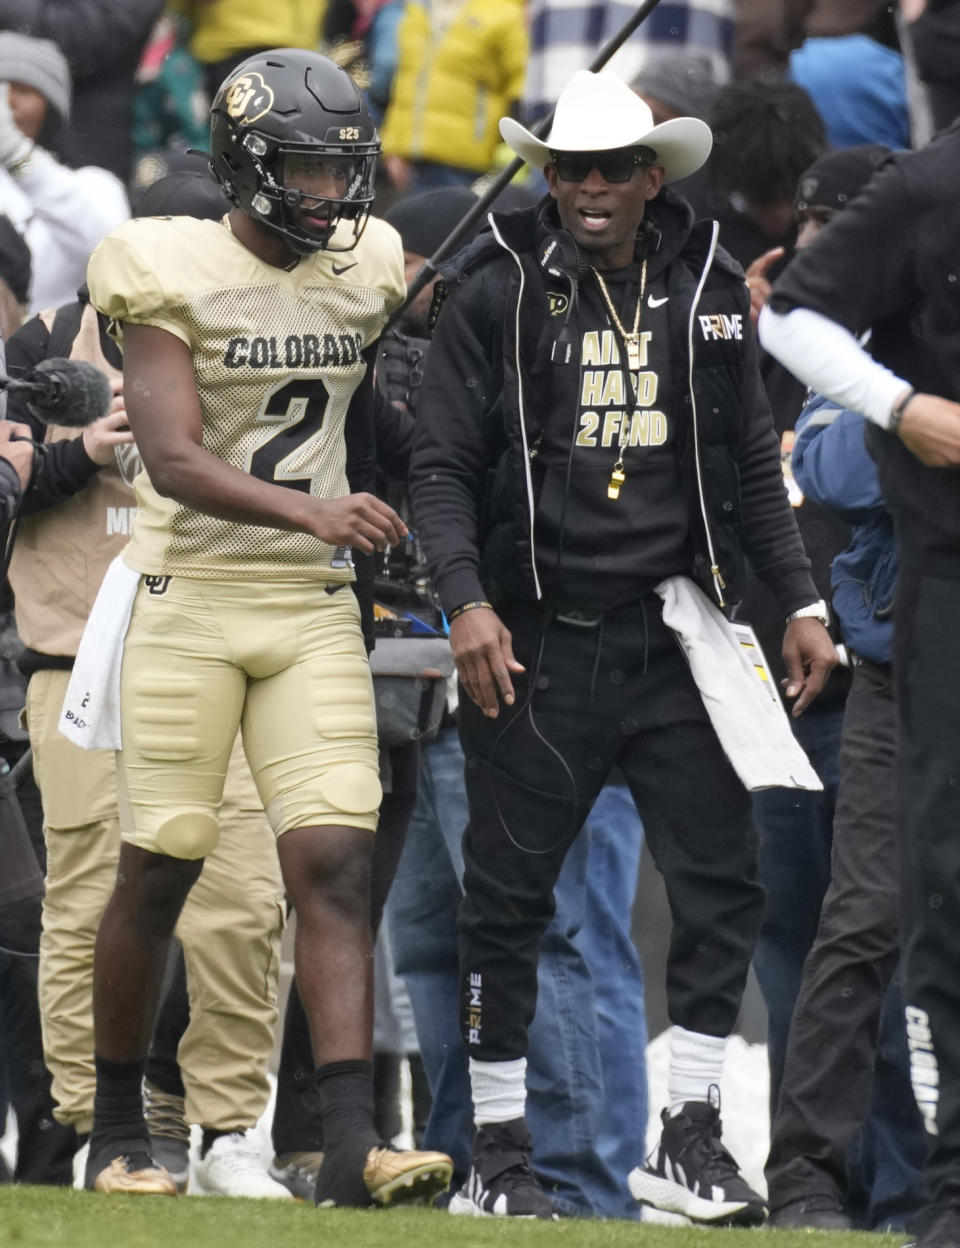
(407, 1177)
(119, 1176)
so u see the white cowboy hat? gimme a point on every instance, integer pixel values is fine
(599, 112)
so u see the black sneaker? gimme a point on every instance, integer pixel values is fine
(814, 1212)
(942, 1230)
(501, 1182)
(691, 1173)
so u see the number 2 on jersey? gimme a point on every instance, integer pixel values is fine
(299, 406)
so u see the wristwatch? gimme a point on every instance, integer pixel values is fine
(815, 611)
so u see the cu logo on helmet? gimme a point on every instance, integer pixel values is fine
(247, 98)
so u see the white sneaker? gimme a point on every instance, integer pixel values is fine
(233, 1167)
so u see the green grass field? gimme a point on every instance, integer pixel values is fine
(40, 1217)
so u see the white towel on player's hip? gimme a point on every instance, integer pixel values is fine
(753, 728)
(91, 708)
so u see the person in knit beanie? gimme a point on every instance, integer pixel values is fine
(39, 83)
(678, 86)
(62, 213)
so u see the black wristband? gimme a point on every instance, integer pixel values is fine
(467, 606)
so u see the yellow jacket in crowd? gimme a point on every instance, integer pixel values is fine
(455, 79)
(221, 27)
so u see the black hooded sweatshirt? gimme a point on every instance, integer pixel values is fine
(495, 397)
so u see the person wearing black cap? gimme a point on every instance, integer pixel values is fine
(846, 1146)
(889, 263)
(592, 441)
(796, 830)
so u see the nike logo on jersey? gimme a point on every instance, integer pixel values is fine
(656, 303)
(343, 268)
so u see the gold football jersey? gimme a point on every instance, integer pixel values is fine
(277, 358)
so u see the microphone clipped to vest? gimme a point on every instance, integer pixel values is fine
(560, 257)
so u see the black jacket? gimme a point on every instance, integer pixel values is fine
(9, 481)
(488, 377)
(892, 261)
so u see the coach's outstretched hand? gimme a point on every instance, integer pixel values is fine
(360, 520)
(483, 652)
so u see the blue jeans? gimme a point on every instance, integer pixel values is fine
(796, 836)
(583, 1145)
(615, 840)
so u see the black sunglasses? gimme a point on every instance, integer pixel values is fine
(613, 166)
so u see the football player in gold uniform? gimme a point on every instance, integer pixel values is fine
(245, 349)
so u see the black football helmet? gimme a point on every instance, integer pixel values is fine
(292, 104)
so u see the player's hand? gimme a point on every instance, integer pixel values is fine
(110, 431)
(809, 657)
(483, 652)
(360, 520)
(930, 429)
(18, 453)
(758, 283)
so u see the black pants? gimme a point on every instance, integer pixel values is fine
(614, 691)
(45, 1147)
(833, 1069)
(927, 668)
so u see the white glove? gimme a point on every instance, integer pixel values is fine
(15, 147)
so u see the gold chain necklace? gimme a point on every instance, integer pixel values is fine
(632, 343)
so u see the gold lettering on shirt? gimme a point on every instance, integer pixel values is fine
(592, 390)
(617, 406)
(647, 427)
(611, 428)
(603, 389)
(589, 423)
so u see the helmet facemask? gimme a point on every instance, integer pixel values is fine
(289, 179)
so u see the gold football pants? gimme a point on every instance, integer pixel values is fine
(230, 929)
(282, 661)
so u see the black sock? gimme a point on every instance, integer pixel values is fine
(117, 1104)
(165, 1077)
(212, 1134)
(345, 1093)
